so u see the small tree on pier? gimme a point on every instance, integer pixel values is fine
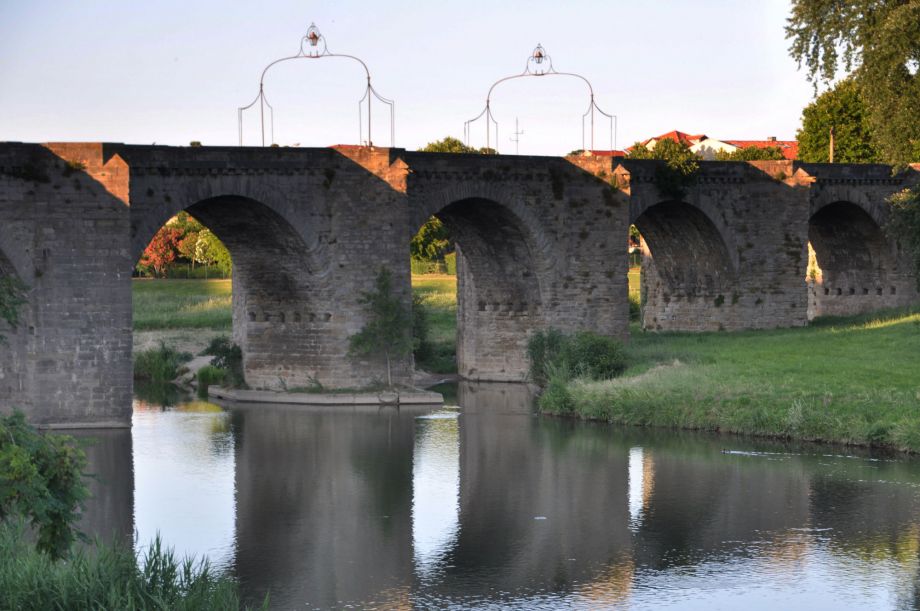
(388, 332)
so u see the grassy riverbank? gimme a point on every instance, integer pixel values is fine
(181, 304)
(850, 380)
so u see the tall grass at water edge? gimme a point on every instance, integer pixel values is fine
(852, 380)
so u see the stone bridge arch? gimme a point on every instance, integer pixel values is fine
(853, 267)
(535, 250)
(307, 232)
(688, 268)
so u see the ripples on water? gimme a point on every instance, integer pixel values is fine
(488, 507)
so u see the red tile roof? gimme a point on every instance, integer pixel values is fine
(678, 136)
(790, 148)
(609, 153)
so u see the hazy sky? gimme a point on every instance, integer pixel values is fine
(170, 72)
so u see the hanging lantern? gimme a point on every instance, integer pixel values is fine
(539, 54)
(313, 35)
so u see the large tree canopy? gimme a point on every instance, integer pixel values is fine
(878, 43)
(843, 109)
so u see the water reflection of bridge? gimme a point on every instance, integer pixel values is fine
(386, 509)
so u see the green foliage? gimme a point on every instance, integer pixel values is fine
(843, 109)
(108, 577)
(159, 365)
(752, 153)
(431, 242)
(206, 376)
(210, 250)
(440, 308)
(449, 144)
(543, 349)
(904, 224)
(677, 173)
(388, 330)
(228, 357)
(877, 42)
(12, 298)
(450, 263)
(420, 324)
(41, 480)
(584, 354)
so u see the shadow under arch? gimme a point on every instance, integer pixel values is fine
(687, 267)
(850, 262)
(499, 300)
(278, 319)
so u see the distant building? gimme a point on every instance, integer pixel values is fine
(690, 140)
(708, 147)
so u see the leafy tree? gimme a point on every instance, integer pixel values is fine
(843, 109)
(431, 242)
(449, 144)
(752, 153)
(161, 251)
(679, 170)
(904, 224)
(209, 250)
(388, 332)
(41, 479)
(877, 42)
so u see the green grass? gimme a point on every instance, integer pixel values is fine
(633, 277)
(181, 304)
(851, 380)
(107, 577)
(440, 293)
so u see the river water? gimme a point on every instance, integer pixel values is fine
(485, 505)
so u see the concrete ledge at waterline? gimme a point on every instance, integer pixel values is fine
(63, 426)
(384, 398)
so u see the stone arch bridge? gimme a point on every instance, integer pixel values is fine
(541, 243)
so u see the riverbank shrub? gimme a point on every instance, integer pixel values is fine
(159, 364)
(108, 576)
(583, 354)
(206, 376)
(41, 480)
(229, 358)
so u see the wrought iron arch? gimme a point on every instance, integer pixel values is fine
(539, 63)
(313, 46)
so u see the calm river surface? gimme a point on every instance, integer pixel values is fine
(488, 506)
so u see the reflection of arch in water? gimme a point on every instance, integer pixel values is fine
(276, 317)
(499, 299)
(851, 267)
(688, 273)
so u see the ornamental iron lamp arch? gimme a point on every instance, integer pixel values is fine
(539, 63)
(313, 46)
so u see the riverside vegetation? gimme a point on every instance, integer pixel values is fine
(42, 490)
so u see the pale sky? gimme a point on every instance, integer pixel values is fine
(170, 72)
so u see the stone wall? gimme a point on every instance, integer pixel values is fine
(66, 237)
